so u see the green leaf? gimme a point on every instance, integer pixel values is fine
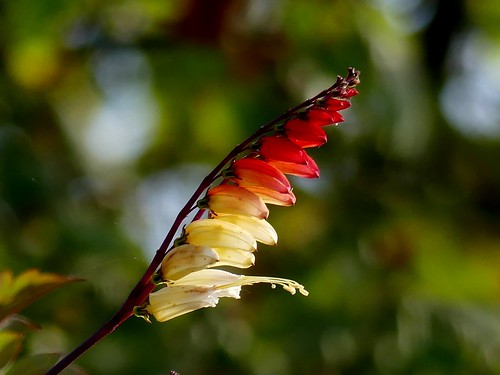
(39, 364)
(19, 324)
(17, 293)
(10, 346)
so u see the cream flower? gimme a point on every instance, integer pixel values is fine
(231, 199)
(203, 289)
(260, 229)
(234, 258)
(187, 258)
(217, 233)
(184, 259)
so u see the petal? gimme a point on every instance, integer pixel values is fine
(204, 288)
(208, 278)
(307, 170)
(259, 173)
(288, 157)
(305, 133)
(323, 117)
(260, 229)
(273, 197)
(280, 148)
(334, 104)
(187, 258)
(234, 258)
(219, 279)
(350, 93)
(170, 302)
(263, 180)
(173, 301)
(289, 285)
(230, 199)
(216, 233)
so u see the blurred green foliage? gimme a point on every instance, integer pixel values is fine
(16, 294)
(110, 113)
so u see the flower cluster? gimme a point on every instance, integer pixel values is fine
(233, 214)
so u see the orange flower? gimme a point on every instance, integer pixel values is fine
(264, 180)
(231, 199)
(288, 157)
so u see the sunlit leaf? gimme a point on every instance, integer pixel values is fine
(16, 293)
(10, 346)
(20, 324)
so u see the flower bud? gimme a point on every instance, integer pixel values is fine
(231, 199)
(264, 180)
(217, 233)
(184, 259)
(288, 157)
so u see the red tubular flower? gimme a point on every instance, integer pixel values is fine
(333, 104)
(323, 116)
(305, 133)
(349, 93)
(264, 180)
(288, 157)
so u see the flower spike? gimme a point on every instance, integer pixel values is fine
(182, 276)
(253, 177)
(238, 212)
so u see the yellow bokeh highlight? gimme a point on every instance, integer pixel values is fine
(34, 63)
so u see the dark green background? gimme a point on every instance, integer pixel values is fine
(111, 111)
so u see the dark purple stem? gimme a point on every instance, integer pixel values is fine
(145, 286)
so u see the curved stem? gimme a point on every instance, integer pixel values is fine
(102, 332)
(144, 287)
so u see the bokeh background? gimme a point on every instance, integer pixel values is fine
(112, 112)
